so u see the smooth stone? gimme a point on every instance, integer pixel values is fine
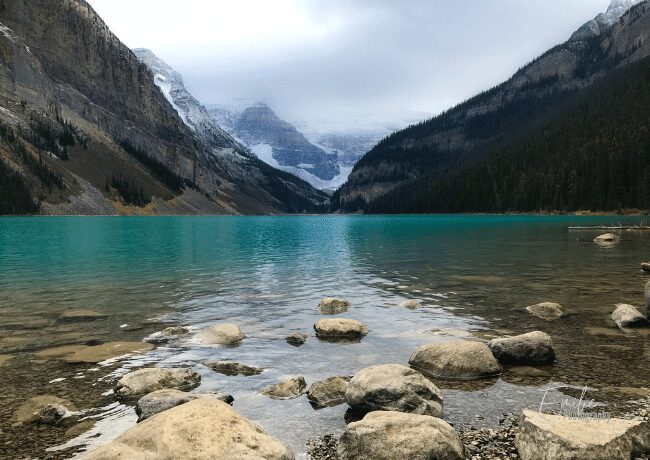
(150, 379)
(606, 238)
(328, 393)
(531, 348)
(162, 400)
(546, 310)
(645, 266)
(296, 339)
(233, 368)
(627, 316)
(73, 316)
(456, 361)
(333, 306)
(410, 304)
(340, 328)
(36, 409)
(528, 371)
(201, 429)
(393, 387)
(99, 353)
(59, 352)
(4, 359)
(287, 389)
(550, 437)
(396, 435)
(221, 334)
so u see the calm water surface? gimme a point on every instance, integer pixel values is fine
(474, 274)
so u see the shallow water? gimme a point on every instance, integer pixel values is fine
(474, 274)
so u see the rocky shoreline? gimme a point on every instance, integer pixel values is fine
(380, 399)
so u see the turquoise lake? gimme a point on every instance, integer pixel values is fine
(473, 274)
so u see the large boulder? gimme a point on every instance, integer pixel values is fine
(163, 400)
(628, 316)
(203, 429)
(546, 310)
(145, 381)
(392, 435)
(233, 368)
(532, 348)
(287, 389)
(340, 329)
(221, 334)
(393, 387)
(333, 306)
(553, 437)
(328, 393)
(456, 361)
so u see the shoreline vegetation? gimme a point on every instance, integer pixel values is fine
(176, 422)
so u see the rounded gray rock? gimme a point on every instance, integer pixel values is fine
(456, 361)
(531, 348)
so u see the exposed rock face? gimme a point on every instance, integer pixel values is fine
(145, 381)
(601, 23)
(233, 368)
(221, 334)
(552, 437)
(393, 435)
(207, 429)
(460, 135)
(296, 339)
(163, 400)
(45, 409)
(393, 387)
(546, 310)
(288, 389)
(456, 361)
(340, 329)
(328, 393)
(628, 316)
(333, 306)
(72, 91)
(532, 348)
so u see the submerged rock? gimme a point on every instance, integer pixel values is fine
(288, 389)
(531, 348)
(549, 437)
(296, 339)
(546, 310)
(606, 238)
(645, 266)
(456, 361)
(628, 316)
(151, 379)
(340, 328)
(233, 368)
(411, 304)
(396, 435)
(168, 334)
(328, 393)
(201, 429)
(73, 316)
(163, 400)
(221, 334)
(46, 409)
(333, 306)
(393, 387)
(99, 353)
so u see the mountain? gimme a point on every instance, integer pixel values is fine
(86, 129)
(390, 176)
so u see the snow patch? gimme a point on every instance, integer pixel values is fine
(166, 88)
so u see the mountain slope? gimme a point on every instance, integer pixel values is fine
(86, 129)
(437, 148)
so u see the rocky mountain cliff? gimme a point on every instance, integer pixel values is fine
(85, 129)
(460, 137)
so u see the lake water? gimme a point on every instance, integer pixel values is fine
(474, 275)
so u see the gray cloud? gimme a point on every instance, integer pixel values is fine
(347, 61)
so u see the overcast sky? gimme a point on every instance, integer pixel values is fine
(344, 62)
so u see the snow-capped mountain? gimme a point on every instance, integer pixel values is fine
(605, 20)
(190, 110)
